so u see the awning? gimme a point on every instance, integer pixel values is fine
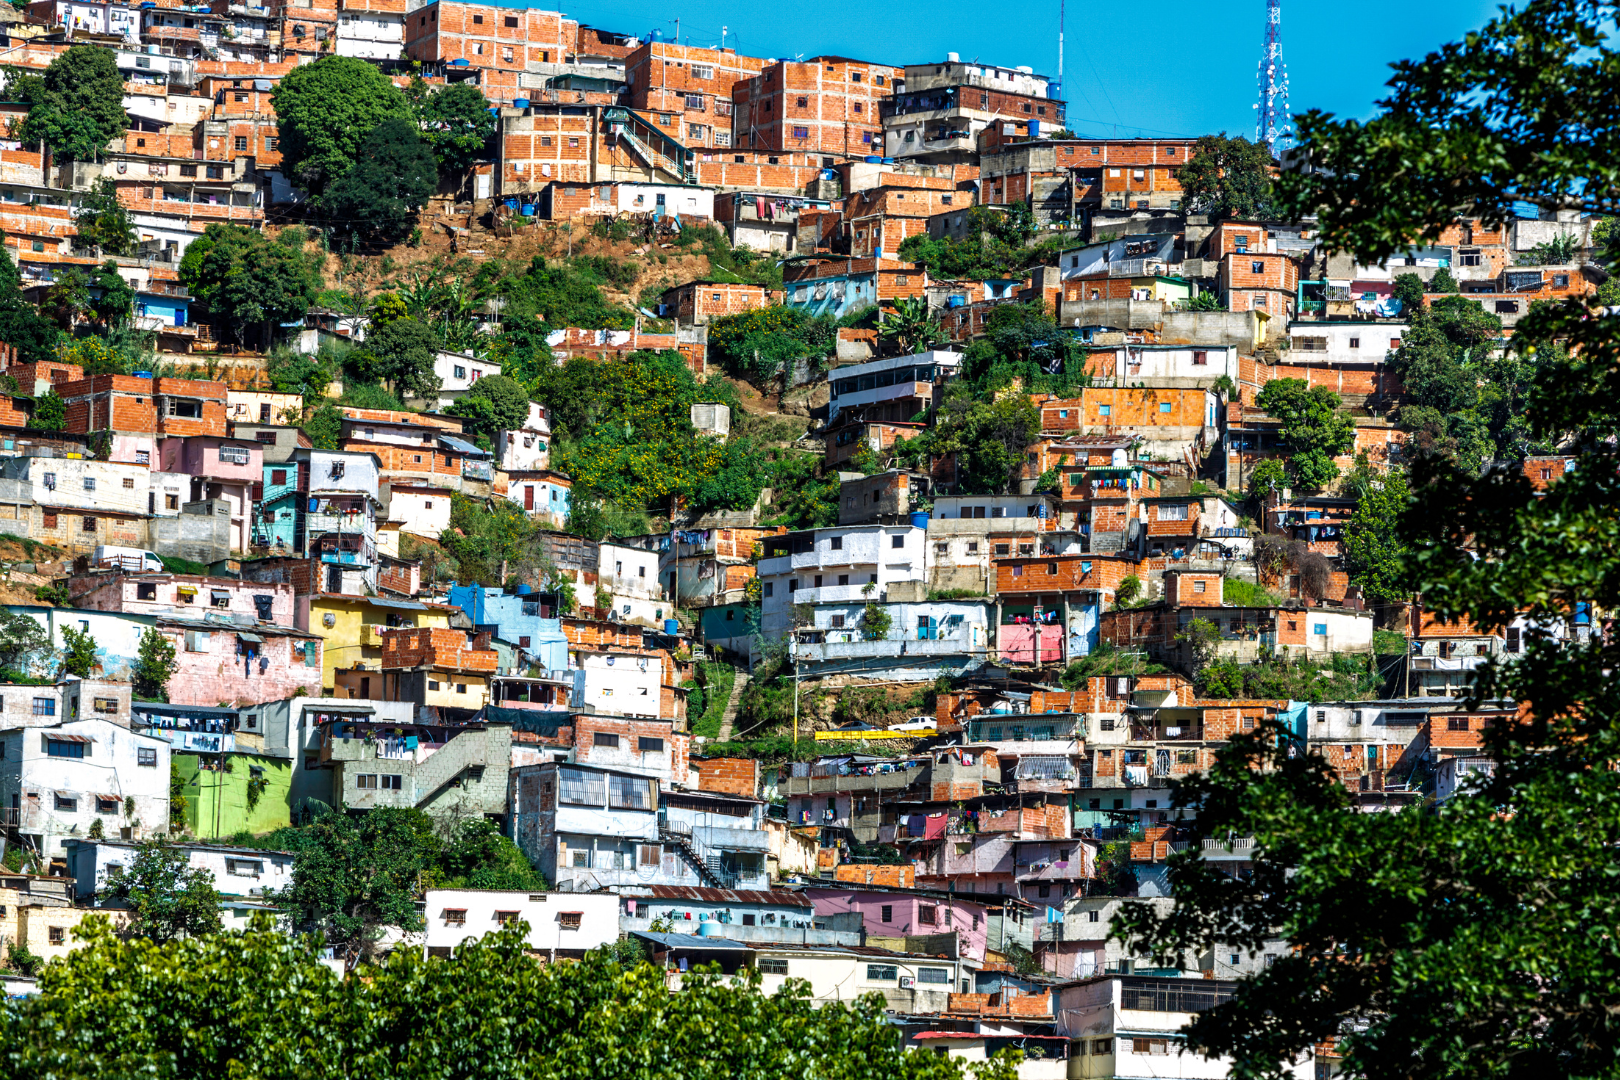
(186, 590)
(244, 636)
(220, 594)
(69, 738)
(110, 798)
(462, 446)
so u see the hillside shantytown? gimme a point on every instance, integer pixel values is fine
(807, 517)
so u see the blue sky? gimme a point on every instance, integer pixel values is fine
(1189, 69)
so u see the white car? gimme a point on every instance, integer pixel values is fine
(917, 723)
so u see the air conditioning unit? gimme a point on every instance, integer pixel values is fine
(907, 982)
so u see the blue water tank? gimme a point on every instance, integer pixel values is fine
(528, 211)
(888, 161)
(525, 590)
(672, 627)
(459, 63)
(1034, 129)
(872, 160)
(919, 521)
(511, 204)
(143, 374)
(708, 928)
(655, 35)
(520, 103)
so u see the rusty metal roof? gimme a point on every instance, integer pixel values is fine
(729, 896)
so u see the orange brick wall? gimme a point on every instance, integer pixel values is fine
(904, 877)
(732, 776)
(839, 114)
(116, 402)
(586, 725)
(662, 80)
(435, 647)
(1062, 573)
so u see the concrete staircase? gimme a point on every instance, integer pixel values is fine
(729, 717)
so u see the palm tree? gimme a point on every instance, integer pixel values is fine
(910, 325)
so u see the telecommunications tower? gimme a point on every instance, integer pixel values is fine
(1274, 126)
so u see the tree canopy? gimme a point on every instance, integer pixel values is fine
(1230, 176)
(77, 106)
(989, 439)
(170, 899)
(21, 325)
(1374, 552)
(403, 354)
(103, 224)
(260, 1003)
(455, 120)
(324, 112)
(390, 181)
(247, 282)
(1314, 425)
(495, 403)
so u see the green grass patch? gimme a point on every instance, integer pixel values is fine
(1235, 592)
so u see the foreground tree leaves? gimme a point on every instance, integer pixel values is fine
(258, 1003)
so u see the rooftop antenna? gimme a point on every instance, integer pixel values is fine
(1062, 5)
(1274, 126)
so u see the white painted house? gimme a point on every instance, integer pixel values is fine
(55, 782)
(238, 871)
(835, 565)
(561, 924)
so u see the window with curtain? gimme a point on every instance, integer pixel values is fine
(576, 787)
(630, 793)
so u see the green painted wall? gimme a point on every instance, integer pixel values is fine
(217, 802)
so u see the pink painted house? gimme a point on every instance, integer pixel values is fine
(219, 468)
(902, 913)
(227, 662)
(182, 596)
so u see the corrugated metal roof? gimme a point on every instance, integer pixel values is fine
(689, 941)
(463, 446)
(729, 896)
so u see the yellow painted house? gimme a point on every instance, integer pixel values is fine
(351, 628)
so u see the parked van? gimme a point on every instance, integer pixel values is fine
(126, 558)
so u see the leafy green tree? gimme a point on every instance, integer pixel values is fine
(910, 325)
(1442, 282)
(354, 876)
(989, 439)
(763, 343)
(385, 189)
(325, 110)
(1478, 950)
(1267, 475)
(477, 856)
(300, 373)
(456, 122)
(1229, 176)
(1374, 551)
(247, 283)
(325, 427)
(493, 404)
(489, 1013)
(21, 324)
(155, 664)
(50, 412)
(624, 432)
(1025, 341)
(23, 643)
(1433, 370)
(405, 352)
(1314, 425)
(1409, 290)
(104, 226)
(169, 898)
(78, 652)
(483, 537)
(77, 106)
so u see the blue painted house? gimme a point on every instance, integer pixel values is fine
(276, 524)
(527, 619)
